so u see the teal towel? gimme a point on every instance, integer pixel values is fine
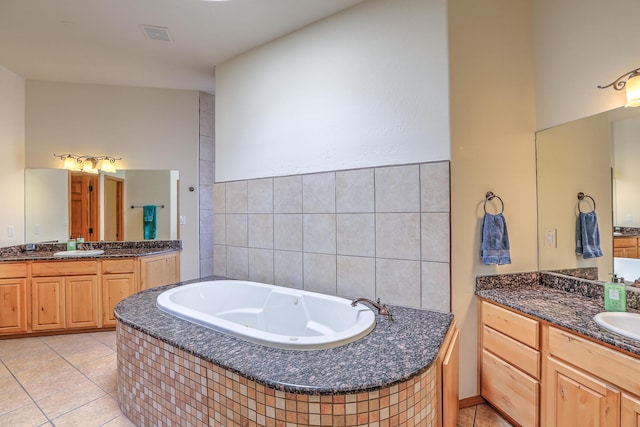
(149, 221)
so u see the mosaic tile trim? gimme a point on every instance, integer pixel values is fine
(161, 385)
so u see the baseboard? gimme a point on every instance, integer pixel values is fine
(471, 401)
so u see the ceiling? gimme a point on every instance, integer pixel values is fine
(101, 41)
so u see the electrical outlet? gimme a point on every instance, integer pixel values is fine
(551, 237)
(36, 229)
(10, 231)
(183, 220)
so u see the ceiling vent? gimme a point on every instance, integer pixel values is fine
(157, 33)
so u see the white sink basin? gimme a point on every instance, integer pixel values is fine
(79, 253)
(621, 322)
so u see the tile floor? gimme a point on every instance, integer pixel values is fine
(70, 380)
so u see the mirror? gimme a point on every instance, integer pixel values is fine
(56, 198)
(597, 156)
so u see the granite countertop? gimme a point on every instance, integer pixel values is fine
(393, 352)
(560, 300)
(45, 251)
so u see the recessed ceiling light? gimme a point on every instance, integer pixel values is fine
(157, 33)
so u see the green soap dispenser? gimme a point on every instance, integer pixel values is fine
(615, 294)
(71, 244)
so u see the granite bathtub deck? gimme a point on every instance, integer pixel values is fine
(44, 252)
(393, 352)
(566, 302)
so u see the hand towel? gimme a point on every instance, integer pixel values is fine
(588, 235)
(495, 240)
(149, 221)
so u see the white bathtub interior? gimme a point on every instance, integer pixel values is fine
(270, 315)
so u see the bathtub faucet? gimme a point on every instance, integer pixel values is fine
(382, 308)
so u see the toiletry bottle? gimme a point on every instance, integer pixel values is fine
(615, 295)
(80, 239)
(71, 244)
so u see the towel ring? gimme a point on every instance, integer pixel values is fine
(491, 196)
(581, 197)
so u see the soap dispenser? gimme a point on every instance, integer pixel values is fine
(615, 294)
(71, 244)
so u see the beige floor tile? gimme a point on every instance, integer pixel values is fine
(90, 354)
(27, 415)
(29, 360)
(486, 416)
(107, 382)
(96, 413)
(3, 370)
(49, 368)
(8, 384)
(40, 388)
(466, 416)
(66, 400)
(13, 400)
(107, 338)
(99, 366)
(16, 348)
(70, 344)
(121, 421)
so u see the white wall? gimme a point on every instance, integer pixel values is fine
(580, 44)
(148, 128)
(47, 205)
(12, 146)
(492, 140)
(366, 87)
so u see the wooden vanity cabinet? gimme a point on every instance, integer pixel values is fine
(510, 363)
(118, 282)
(65, 295)
(158, 270)
(630, 411)
(13, 298)
(625, 247)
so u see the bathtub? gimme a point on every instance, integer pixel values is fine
(269, 315)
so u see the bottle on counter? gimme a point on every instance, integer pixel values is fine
(71, 244)
(615, 294)
(80, 239)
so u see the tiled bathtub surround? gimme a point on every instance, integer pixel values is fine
(182, 389)
(378, 232)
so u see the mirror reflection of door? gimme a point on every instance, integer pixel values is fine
(84, 209)
(113, 209)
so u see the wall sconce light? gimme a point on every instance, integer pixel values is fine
(631, 82)
(89, 164)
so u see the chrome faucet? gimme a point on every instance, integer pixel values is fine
(382, 308)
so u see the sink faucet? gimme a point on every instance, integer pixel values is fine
(382, 308)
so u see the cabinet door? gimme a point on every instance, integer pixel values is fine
(115, 287)
(13, 305)
(81, 301)
(159, 270)
(630, 411)
(577, 399)
(48, 303)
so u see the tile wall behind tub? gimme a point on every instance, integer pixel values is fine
(377, 233)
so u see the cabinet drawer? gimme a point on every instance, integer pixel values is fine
(64, 268)
(615, 367)
(513, 325)
(514, 392)
(123, 265)
(625, 242)
(13, 270)
(521, 356)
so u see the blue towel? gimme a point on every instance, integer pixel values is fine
(149, 221)
(495, 240)
(588, 235)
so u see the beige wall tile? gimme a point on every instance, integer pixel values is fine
(237, 263)
(287, 231)
(319, 193)
(398, 189)
(219, 198)
(320, 273)
(261, 265)
(434, 187)
(260, 195)
(261, 231)
(236, 197)
(436, 237)
(287, 194)
(355, 191)
(236, 229)
(319, 233)
(398, 282)
(288, 269)
(220, 260)
(356, 277)
(436, 292)
(219, 229)
(398, 236)
(356, 234)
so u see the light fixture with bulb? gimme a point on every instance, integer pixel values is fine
(88, 164)
(629, 81)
